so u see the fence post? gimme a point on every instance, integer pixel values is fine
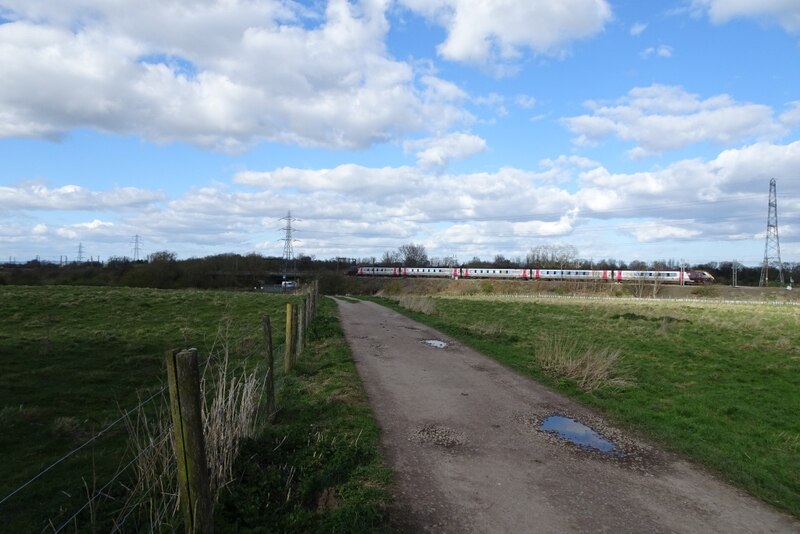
(288, 344)
(296, 328)
(316, 298)
(183, 377)
(307, 317)
(301, 326)
(270, 379)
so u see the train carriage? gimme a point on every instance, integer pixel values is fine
(468, 272)
(570, 274)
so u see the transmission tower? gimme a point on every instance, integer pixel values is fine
(288, 253)
(80, 252)
(772, 248)
(137, 244)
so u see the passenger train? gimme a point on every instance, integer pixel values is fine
(606, 275)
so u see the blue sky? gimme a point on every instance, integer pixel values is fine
(631, 130)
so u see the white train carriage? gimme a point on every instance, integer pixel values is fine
(522, 274)
(379, 271)
(674, 277)
(571, 274)
(435, 272)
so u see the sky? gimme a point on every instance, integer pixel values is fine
(631, 130)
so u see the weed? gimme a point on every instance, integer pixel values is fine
(418, 304)
(590, 367)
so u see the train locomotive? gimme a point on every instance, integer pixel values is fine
(605, 275)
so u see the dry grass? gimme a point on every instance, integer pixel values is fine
(230, 408)
(590, 367)
(418, 304)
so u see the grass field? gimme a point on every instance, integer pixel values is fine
(317, 469)
(717, 383)
(72, 359)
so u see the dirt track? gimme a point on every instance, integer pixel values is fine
(461, 432)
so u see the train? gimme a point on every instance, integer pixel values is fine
(603, 275)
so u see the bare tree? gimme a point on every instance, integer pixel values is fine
(413, 255)
(391, 257)
(556, 255)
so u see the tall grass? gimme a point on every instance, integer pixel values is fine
(418, 304)
(231, 396)
(589, 366)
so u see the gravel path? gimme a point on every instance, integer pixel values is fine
(461, 433)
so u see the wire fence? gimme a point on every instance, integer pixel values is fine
(120, 502)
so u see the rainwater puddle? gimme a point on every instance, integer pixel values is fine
(436, 343)
(578, 433)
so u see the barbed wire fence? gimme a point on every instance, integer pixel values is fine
(142, 493)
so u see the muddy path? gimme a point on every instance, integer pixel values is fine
(462, 434)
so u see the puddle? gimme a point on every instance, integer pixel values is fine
(436, 343)
(578, 433)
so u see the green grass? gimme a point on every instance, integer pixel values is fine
(719, 384)
(317, 469)
(72, 359)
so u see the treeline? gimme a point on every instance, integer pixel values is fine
(164, 270)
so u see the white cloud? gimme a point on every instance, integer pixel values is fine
(438, 152)
(37, 196)
(223, 74)
(357, 210)
(663, 51)
(484, 31)
(637, 28)
(786, 13)
(526, 101)
(348, 178)
(660, 232)
(660, 118)
(791, 117)
(95, 229)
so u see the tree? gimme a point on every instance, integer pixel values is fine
(162, 256)
(413, 255)
(557, 255)
(391, 257)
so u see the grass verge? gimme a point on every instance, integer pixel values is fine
(318, 468)
(717, 383)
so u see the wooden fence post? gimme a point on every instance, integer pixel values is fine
(301, 326)
(308, 314)
(288, 344)
(183, 376)
(270, 379)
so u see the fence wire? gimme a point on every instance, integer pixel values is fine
(84, 445)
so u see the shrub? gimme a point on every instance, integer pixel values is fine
(590, 367)
(418, 304)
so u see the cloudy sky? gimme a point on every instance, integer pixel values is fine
(629, 129)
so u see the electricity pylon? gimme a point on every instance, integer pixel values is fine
(772, 248)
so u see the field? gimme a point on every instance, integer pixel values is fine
(717, 383)
(73, 359)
